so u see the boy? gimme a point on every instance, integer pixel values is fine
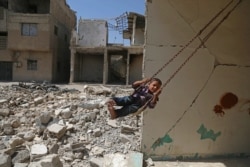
(145, 95)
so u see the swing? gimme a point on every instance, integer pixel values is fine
(193, 53)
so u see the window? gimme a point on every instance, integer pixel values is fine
(29, 29)
(32, 65)
(3, 40)
(1, 13)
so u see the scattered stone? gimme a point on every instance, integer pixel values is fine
(15, 123)
(42, 125)
(57, 130)
(54, 149)
(113, 123)
(29, 136)
(4, 112)
(66, 113)
(127, 129)
(21, 165)
(2, 101)
(96, 162)
(38, 149)
(16, 141)
(5, 160)
(38, 100)
(22, 156)
(97, 132)
(51, 160)
(45, 117)
(97, 151)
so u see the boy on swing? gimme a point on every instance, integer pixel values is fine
(146, 94)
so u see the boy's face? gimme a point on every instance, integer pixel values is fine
(154, 86)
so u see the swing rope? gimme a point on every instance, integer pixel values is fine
(185, 46)
(193, 53)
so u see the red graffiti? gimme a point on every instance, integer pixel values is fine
(219, 110)
(227, 101)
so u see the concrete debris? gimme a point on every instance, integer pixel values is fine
(45, 125)
(5, 160)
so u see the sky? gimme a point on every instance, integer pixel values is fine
(107, 10)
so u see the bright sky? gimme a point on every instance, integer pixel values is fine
(107, 9)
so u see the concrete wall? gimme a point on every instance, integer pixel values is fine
(92, 33)
(89, 67)
(18, 42)
(138, 38)
(135, 68)
(67, 18)
(204, 111)
(44, 67)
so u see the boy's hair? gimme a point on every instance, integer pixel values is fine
(157, 80)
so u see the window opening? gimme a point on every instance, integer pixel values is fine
(1, 13)
(3, 40)
(29, 29)
(32, 65)
(32, 9)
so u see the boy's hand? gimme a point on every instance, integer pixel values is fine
(158, 92)
(145, 80)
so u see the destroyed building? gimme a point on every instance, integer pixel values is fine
(94, 60)
(34, 40)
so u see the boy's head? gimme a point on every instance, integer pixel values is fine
(154, 85)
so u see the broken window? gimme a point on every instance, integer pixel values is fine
(3, 40)
(32, 9)
(29, 29)
(4, 3)
(32, 65)
(30, 6)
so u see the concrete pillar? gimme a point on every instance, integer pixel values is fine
(127, 73)
(72, 65)
(134, 29)
(105, 66)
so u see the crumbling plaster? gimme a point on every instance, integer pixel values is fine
(204, 110)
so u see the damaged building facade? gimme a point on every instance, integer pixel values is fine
(34, 40)
(204, 111)
(94, 60)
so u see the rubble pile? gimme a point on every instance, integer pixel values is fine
(44, 125)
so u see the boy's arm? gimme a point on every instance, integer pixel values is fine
(138, 83)
(156, 97)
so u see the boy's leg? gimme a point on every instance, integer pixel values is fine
(111, 102)
(126, 102)
(126, 110)
(112, 112)
(111, 109)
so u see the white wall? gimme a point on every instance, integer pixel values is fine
(92, 33)
(184, 123)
